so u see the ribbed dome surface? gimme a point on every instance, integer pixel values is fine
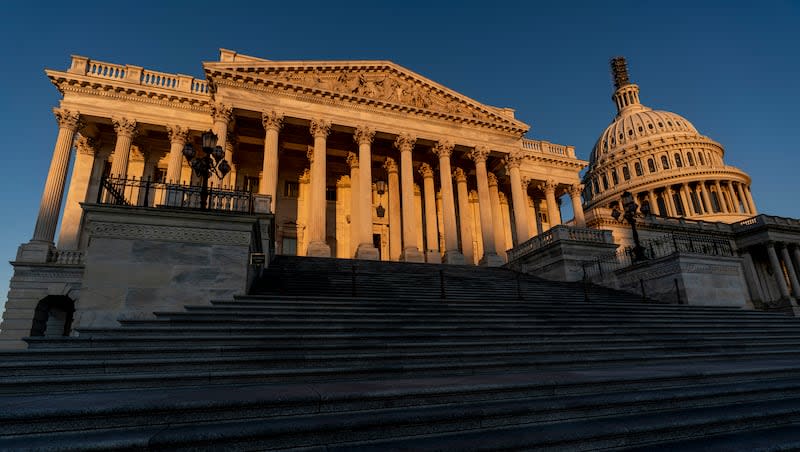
(636, 123)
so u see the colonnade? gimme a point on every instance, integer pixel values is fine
(691, 199)
(784, 263)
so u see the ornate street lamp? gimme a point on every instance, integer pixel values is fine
(212, 162)
(380, 187)
(629, 215)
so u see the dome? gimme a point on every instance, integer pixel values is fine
(637, 124)
(663, 161)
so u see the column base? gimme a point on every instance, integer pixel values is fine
(491, 260)
(433, 257)
(367, 251)
(318, 249)
(35, 251)
(412, 255)
(454, 257)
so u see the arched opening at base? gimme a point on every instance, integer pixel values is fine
(53, 316)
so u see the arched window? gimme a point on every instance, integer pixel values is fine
(614, 177)
(53, 316)
(605, 182)
(678, 160)
(664, 162)
(596, 186)
(638, 168)
(700, 156)
(689, 159)
(651, 165)
(626, 173)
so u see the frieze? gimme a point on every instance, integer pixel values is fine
(129, 231)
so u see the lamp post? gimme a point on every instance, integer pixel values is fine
(629, 214)
(380, 187)
(212, 162)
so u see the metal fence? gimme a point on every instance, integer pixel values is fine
(147, 193)
(672, 243)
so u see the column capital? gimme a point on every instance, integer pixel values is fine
(405, 142)
(272, 120)
(426, 170)
(230, 141)
(85, 145)
(320, 128)
(492, 178)
(310, 154)
(526, 182)
(221, 112)
(67, 119)
(390, 165)
(575, 190)
(459, 175)
(177, 134)
(305, 176)
(443, 149)
(548, 187)
(473, 196)
(352, 160)
(513, 160)
(479, 154)
(343, 182)
(125, 126)
(363, 135)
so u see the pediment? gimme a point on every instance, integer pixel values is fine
(380, 84)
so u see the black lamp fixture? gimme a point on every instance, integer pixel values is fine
(380, 187)
(629, 214)
(212, 162)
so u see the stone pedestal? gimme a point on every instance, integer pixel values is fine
(412, 255)
(318, 249)
(367, 252)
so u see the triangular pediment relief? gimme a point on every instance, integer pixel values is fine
(379, 83)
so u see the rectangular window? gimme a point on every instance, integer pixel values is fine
(291, 189)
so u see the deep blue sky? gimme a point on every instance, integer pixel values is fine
(731, 68)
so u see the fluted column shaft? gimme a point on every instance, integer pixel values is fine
(787, 261)
(709, 208)
(686, 198)
(126, 130)
(432, 253)
(723, 204)
(732, 193)
(50, 205)
(362, 189)
(497, 217)
(464, 220)
(355, 203)
(518, 198)
(452, 255)
(177, 140)
(651, 195)
(490, 257)
(750, 201)
(777, 270)
(317, 245)
(577, 206)
(272, 122)
(78, 190)
(553, 215)
(670, 202)
(743, 199)
(395, 221)
(405, 143)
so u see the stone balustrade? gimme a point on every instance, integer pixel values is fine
(765, 220)
(545, 147)
(66, 257)
(137, 75)
(560, 232)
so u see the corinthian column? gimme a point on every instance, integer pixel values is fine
(451, 253)
(497, 217)
(553, 214)
(363, 191)
(735, 203)
(355, 203)
(222, 115)
(405, 143)
(490, 257)
(787, 261)
(78, 190)
(303, 206)
(177, 140)
(709, 208)
(432, 254)
(686, 200)
(750, 201)
(126, 130)
(395, 222)
(464, 218)
(269, 171)
(743, 198)
(577, 207)
(50, 205)
(317, 246)
(777, 270)
(723, 203)
(518, 198)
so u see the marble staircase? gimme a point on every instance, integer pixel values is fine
(411, 357)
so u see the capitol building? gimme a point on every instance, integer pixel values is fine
(361, 160)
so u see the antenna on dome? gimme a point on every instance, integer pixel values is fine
(619, 70)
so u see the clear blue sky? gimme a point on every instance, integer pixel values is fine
(731, 68)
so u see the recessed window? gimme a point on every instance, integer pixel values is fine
(678, 160)
(689, 159)
(641, 129)
(614, 177)
(649, 126)
(626, 173)
(630, 132)
(700, 156)
(638, 168)
(651, 165)
(664, 162)
(660, 124)
(669, 123)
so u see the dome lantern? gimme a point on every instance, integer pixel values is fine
(626, 96)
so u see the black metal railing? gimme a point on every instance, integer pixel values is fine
(673, 243)
(147, 193)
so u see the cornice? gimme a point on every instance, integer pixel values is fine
(121, 90)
